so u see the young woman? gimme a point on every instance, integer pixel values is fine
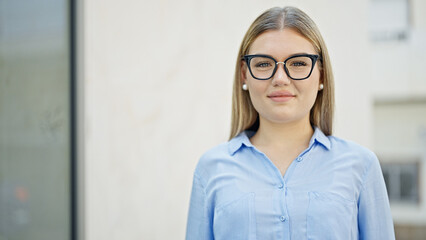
(282, 175)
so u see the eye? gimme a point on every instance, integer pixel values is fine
(299, 64)
(263, 64)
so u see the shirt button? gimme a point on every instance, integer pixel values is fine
(299, 159)
(282, 219)
(280, 186)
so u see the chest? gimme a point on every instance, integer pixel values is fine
(282, 158)
(311, 196)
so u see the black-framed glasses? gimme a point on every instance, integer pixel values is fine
(297, 67)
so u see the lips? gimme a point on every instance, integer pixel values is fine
(281, 96)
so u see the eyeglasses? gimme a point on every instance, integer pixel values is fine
(297, 67)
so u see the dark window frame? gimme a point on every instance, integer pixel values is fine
(73, 121)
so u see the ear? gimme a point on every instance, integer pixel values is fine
(320, 86)
(321, 81)
(243, 72)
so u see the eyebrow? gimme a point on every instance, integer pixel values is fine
(294, 54)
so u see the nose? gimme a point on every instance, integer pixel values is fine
(280, 77)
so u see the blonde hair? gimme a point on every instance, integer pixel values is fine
(244, 115)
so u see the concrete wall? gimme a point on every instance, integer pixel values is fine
(156, 79)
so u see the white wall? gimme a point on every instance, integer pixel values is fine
(157, 80)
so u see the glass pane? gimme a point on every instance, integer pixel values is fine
(34, 120)
(262, 67)
(402, 181)
(409, 185)
(299, 67)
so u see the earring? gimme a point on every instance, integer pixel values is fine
(245, 87)
(321, 86)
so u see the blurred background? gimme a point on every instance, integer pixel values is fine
(106, 106)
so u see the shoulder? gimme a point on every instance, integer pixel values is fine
(348, 145)
(361, 160)
(352, 150)
(219, 150)
(211, 158)
(222, 155)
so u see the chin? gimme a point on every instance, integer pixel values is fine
(287, 119)
(282, 120)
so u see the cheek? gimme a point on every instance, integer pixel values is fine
(314, 80)
(257, 90)
(309, 88)
(314, 91)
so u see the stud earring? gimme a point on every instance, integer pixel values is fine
(321, 86)
(245, 87)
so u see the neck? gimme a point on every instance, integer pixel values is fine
(294, 134)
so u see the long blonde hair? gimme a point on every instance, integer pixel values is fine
(244, 115)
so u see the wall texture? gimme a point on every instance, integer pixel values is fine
(157, 79)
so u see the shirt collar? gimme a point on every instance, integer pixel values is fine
(243, 139)
(321, 138)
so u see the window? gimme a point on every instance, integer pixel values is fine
(399, 142)
(389, 20)
(36, 135)
(402, 181)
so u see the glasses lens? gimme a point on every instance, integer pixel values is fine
(262, 67)
(299, 67)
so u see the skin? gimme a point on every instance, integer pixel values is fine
(284, 130)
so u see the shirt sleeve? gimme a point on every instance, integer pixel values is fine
(374, 215)
(199, 217)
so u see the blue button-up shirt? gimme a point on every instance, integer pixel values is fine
(332, 190)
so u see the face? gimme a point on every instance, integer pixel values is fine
(281, 99)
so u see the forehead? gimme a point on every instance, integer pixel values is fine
(281, 43)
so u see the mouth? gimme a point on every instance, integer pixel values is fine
(281, 96)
